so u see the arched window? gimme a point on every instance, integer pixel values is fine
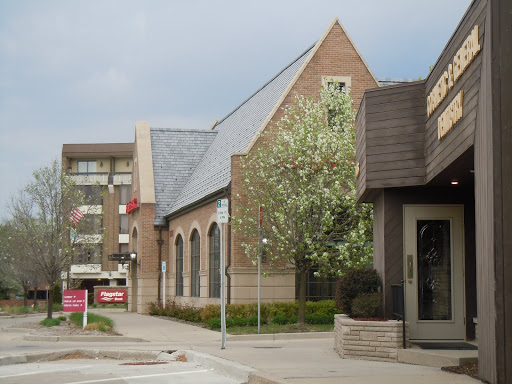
(214, 242)
(179, 266)
(195, 260)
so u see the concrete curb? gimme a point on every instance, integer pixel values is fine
(261, 377)
(221, 366)
(283, 336)
(95, 353)
(94, 339)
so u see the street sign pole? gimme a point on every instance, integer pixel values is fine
(260, 222)
(84, 322)
(222, 218)
(164, 267)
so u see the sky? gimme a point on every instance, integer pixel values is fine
(86, 71)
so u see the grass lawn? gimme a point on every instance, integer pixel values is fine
(94, 321)
(276, 328)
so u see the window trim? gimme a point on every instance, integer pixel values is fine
(214, 273)
(340, 79)
(195, 264)
(179, 263)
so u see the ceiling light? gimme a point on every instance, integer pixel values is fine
(454, 182)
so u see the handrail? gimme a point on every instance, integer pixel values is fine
(399, 306)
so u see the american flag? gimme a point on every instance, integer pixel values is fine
(76, 215)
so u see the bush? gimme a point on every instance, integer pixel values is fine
(77, 319)
(280, 319)
(239, 322)
(284, 309)
(210, 312)
(319, 319)
(324, 307)
(214, 323)
(367, 305)
(354, 283)
(62, 318)
(57, 293)
(253, 321)
(50, 322)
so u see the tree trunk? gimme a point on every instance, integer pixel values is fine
(35, 296)
(25, 298)
(50, 305)
(302, 296)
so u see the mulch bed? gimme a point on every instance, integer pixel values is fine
(467, 369)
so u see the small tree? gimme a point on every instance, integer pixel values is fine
(41, 224)
(303, 174)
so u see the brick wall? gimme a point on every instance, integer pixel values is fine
(368, 340)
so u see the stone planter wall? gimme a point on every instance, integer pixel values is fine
(368, 340)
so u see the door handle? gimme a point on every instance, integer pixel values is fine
(410, 273)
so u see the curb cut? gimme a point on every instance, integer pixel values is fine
(221, 366)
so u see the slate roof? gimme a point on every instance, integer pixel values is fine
(235, 132)
(176, 153)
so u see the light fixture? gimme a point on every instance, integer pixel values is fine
(133, 256)
(101, 164)
(127, 163)
(454, 182)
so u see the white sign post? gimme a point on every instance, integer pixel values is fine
(223, 218)
(164, 267)
(260, 251)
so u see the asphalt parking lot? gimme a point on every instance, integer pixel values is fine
(111, 372)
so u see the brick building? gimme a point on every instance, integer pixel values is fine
(178, 175)
(104, 174)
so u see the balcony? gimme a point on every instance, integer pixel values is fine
(100, 178)
(122, 178)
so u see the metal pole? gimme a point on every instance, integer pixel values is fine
(84, 320)
(163, 289)
(260, 232)
(222, 291)
(259, 280)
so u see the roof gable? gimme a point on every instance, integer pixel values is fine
(235, 132)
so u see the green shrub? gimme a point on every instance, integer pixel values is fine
(77, 318)
(62, 318)
(293, 319)
(239, 321)
(214, 323)
(57, 293)
(229, 322)
(319, 319)
(284, 309)
(210, 312)
(281, 319)
(324, 307)
(50, 322)
(253, 321)
(354, 283)
(367, 305)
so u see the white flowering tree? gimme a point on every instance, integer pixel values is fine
(40, 225)
(303, 174)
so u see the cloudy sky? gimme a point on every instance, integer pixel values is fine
(86, 71)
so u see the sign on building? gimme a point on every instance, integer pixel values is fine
(111, 296)
(222, 210)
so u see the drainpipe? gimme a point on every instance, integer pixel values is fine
(228, 264)
(159, 242)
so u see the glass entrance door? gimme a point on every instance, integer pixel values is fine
(433, 265)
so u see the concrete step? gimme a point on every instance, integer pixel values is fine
(436, 357)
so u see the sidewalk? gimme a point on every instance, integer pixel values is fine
(298, 360)
(286, 361)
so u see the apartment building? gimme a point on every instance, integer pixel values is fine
(104, 174)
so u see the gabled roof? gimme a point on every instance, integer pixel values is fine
(235, 133)
(176, 153)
